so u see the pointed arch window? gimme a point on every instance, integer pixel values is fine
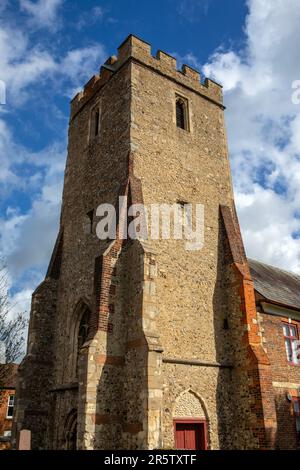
(82, 333)
(84, 328)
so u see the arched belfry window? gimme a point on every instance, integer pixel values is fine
(81, 332)
(84, 328)
(181, 113)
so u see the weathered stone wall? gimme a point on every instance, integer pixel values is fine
(172, 164)
(192, 166)
(165, 321)
(240, 401)
(142, 388)
(189, 405)
(35, 373)
(96, 170)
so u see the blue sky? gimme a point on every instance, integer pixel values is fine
(49, 49)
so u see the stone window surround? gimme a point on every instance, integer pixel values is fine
(89, 222)
(179, 96)
(81, 308)
(94, 111)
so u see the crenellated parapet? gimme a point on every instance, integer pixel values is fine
(139, 51)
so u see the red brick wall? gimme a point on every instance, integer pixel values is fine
(257, 390)
(282, 373)
(5, 424)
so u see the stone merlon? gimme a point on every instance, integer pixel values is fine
(139, 51)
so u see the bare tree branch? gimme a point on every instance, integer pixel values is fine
(12, 329)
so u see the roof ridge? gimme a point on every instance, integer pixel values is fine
(290, 273)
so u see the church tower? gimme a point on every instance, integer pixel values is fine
(141, 343)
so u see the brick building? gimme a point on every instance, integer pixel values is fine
(139, 343)
(7, 399)
(277, 295)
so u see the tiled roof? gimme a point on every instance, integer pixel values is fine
(275, 284)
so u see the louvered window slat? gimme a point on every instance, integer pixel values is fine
(180, 114)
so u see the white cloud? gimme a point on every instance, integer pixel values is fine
(192, 10)
(188, 59)
(264, 128)
(89, 18)
(22, 65)
(77, 62)
(7, 176)
(27, 236)
(20, 303)
(42, 13)
(227, 66)
(263, 215)
(27, 239)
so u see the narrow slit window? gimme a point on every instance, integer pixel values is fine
(89, 218)
(94, 127)
(181, 113)
(97, 119)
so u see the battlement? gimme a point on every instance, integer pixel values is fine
(140, 51)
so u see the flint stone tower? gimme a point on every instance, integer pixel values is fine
(142, 344)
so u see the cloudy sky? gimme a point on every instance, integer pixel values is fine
(48, 50)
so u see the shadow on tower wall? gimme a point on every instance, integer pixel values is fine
(238, 399)
(225, 392)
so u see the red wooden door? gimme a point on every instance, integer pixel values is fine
(180, 436)
(190, 435)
